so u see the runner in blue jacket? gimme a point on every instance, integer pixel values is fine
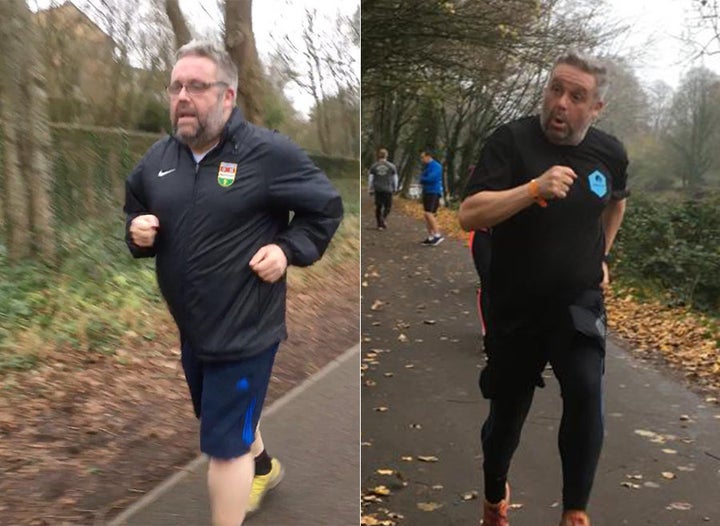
(432, 183)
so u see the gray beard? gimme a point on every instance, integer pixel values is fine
(208, 131)
(574, 138)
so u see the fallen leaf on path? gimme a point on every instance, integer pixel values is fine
(402, 338)
(429, 322)
(669, 451)
(429, 506)
(406, 459)
(427, 458)
(382, 491)
(470, 495)
(371, 520)
(645, 434)
(669, 475)
(377, 305)
(385, 472)
(681, 506)
(381, 409)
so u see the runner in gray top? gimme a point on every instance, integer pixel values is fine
(383, 182)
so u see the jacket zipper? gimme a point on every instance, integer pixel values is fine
(188, 240)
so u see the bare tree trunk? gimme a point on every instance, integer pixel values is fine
(314, 63)
(39, 143)
(120, 68)
(15, 192)
(177, 20)
(240, 43)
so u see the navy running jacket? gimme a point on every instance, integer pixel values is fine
(254, 188)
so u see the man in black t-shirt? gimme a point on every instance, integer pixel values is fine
(553, 189)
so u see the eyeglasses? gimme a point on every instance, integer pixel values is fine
(194, 87)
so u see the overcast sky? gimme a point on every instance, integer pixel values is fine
(656, 37)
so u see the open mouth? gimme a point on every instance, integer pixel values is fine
(185, 114)
(558, 122)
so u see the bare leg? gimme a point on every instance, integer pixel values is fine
(229, 483)
(431, 224)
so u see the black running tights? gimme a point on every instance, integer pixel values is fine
(579, 371)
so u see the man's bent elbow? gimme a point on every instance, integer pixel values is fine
(464, 218)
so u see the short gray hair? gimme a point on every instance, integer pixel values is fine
(588, 64)
(227, 70)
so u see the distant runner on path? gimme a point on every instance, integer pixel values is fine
(432, 190)
(383, 183)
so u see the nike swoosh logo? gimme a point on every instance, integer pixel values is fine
(162, 173)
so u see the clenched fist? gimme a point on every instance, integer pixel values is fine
(269, 263)
(555, 183)
(143, 230)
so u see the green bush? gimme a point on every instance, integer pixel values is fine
(673, 247)
(95, 296)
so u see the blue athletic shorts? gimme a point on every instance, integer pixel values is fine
(228, 398)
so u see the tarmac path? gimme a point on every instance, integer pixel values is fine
(422, 354)
(313, 430)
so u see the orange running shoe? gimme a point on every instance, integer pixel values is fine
(497, 514)
(575, 518)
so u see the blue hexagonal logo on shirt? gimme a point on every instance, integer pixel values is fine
(598, 183)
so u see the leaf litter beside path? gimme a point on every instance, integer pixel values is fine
(85, 434)
(680, 338)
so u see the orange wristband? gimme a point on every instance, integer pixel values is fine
(535, 194)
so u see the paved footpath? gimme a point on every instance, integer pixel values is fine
(422, 353)
(314, 431)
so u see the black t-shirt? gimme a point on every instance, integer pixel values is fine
(544, 257)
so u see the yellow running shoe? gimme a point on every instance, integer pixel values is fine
(261, 484)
